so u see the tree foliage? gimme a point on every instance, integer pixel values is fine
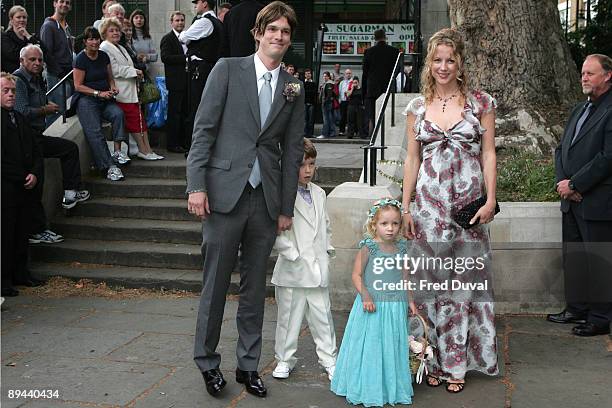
(596, 37)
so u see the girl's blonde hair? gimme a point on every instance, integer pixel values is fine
(452, 38)
(374, 214)
(14, 10)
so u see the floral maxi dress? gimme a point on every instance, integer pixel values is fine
(450, 176)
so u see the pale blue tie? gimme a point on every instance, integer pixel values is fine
(265, 102)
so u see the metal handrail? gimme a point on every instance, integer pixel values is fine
(369, 150)
(62, 82)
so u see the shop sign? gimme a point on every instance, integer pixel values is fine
(353, 39)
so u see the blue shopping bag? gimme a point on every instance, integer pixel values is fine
(157, 112)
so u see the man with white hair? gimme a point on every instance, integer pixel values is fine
(105, 13)
(31, 102)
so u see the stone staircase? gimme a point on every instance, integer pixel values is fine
(137, 232)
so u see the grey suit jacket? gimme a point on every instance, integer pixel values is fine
(227, 136)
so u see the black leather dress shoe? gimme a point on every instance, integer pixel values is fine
(252, 382)
(566, 317)
(10, 292)
(214, 381)
(177, 149)
(589, 329)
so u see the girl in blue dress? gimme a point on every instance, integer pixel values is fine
(373, 367)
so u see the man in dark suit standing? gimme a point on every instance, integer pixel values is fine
(204, 40)
(242, 174)
(378, 64)
(173, 55)
(22, 166)
(583, 164)
(237, 25)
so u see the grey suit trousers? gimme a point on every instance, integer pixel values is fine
(248, 227)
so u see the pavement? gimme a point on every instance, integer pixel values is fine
(104, 352)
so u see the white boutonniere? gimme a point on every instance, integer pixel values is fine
(292, 90)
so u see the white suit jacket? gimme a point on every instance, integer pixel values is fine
(123, 71)
(303, 258)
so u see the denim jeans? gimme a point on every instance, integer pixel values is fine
(308, 120)
(56, 96)
(329, 119)
(91, 111)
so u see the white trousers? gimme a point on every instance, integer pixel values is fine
(293, 305)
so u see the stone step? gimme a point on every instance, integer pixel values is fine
(136, 277)
(136, 208)
(174, 168)
(126, 229)
(125, 253)
(137, 187)
(151, 188)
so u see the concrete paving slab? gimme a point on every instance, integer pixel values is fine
(138, 321)
(166, 349)
(185, 389)
(35, 316)
(64, 341)
(52, 404)
(83, 303)
(93, 381)
(547, 366)
(186, 307)
(559, 371)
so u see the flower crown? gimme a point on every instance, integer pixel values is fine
(383, 202)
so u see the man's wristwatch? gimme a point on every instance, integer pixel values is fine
(96, 94)
(571, 185)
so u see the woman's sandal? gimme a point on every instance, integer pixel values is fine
(459, 385)
(429, 381)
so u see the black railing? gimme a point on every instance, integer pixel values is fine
(62, 82)
(370, 152)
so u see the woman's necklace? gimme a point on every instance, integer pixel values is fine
(445, 100)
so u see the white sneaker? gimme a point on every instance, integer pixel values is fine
(114, 174)
(282, 370)
(121, 157)
(330, 371)
(157, 156)
(320, 137)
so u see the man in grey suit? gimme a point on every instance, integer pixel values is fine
(242, 173)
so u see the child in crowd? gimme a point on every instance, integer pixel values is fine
(373, 366)
(301, 275)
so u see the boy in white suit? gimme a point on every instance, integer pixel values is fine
(301, 275)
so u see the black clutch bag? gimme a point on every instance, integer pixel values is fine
(463, 216)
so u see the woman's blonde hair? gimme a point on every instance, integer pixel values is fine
(14, 10)
(106, 23)
(370, 225)
(452, 38)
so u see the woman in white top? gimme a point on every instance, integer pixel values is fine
(126, 79)
(141, 39)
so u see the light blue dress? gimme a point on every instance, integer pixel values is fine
(373, 365)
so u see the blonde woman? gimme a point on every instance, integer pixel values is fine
(15, 38)
(450, 163)
(126, 79)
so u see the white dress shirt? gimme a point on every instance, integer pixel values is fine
(182, 44)
(260, 70)
(201, 28)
